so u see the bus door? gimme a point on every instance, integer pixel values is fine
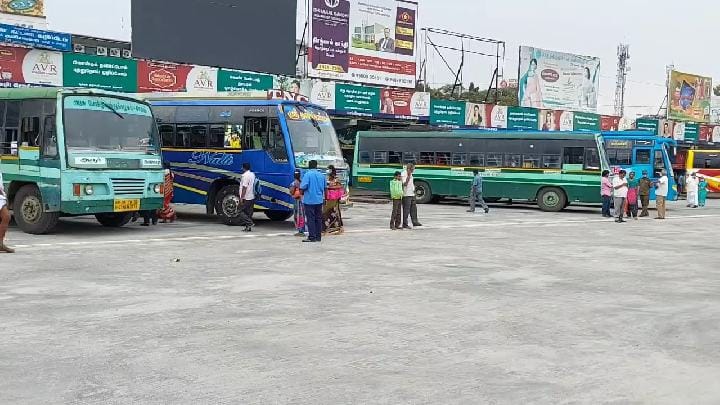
(255, 136)
(30, 131)
(661, 161)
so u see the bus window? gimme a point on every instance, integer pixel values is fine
(217, 136)
(476, 159)
(277, 150)
(459, 159)
(443, 158)
(380, 157)
(592, 159)
(704, 160)
(233, 136)
(531, 161)
(167, 135)
(164, 114)
(187, 114)
(620, 157)
(659, 163)
(493, 159)
(395, 157)
(574, 156)
(551, 161)
(30, 115)
(427, 158)
(642, 156)
(49, 141)
(512, 160)
(410, 157)
(255, 132)
(364, 157)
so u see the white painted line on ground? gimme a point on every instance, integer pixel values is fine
(347, 231)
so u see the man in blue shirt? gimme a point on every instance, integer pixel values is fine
(313, 185)
(476, 192)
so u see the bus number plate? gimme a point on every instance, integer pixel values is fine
(126, 205)
(365, 179)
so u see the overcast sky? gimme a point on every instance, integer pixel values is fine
(658, 31)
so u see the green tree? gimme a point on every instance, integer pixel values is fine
(506, 96)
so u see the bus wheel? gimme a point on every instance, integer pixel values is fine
(278, 216)
(114, 219)
(227, 204)
(423, 192)
(29, 213)
(551, 199)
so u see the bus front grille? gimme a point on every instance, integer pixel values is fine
(128, 186)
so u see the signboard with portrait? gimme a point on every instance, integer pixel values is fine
(558, 80)
(371, 41)
(689, 97)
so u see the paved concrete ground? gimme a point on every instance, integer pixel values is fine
(516, 307)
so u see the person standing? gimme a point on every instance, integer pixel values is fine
(4, 218)
(691, 187)
(247, 197)
(620, 188)
(644, 193)
(476, 192)
(661, 192)
(298, 209)
(313, 188)
(396, 195)
(702, 191)
(409, 201)
(632, 196)
(332, 212)
(681, 183)
(606, 193)
(167, 213)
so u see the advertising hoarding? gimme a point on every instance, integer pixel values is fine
(689, 97)
(30, 66)
(101, 72)
(235, 80)
(447, 113)
(558, 80)
(522, 118)
(57, 41)
(371, 41)
(475, 115)
(156, 77)
(357, 100)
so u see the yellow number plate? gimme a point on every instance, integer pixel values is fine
(365, 179)
(126, 205)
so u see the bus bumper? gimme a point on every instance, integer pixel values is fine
(88, 207)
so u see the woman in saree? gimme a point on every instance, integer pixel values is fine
(167, 213)
(332, 213)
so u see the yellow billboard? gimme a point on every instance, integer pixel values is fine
(689, 97)
(31, 8)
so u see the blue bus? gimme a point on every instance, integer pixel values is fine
(641, 150)
(205, 142)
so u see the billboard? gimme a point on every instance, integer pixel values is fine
(57, 41)
(370, 41)
(689, 97)
(558, 80)
(247, 35)
(31, 8)
(100, 72)
(31, 66)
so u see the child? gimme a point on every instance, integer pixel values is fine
(702, 191)
(396, 194)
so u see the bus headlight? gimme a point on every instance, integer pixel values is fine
(157, 189)
(89, 189)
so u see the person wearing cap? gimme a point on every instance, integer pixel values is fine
(644, 186)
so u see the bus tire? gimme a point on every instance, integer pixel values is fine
(114, 219)
(423, 192)
(278, 216)
(551, 199)
(29, 213)
(227, 204)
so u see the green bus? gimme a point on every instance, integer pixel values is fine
(67, 152)
(551, 169)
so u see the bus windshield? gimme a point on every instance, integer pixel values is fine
(109, 123)
(313, 136)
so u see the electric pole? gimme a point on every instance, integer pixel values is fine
(623, 53)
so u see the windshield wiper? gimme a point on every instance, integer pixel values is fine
(111, 108)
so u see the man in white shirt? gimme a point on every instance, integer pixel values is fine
(691, 184)
(620, 187)
(4, 218)
(408, 202)
(661, 192)
(247, 198)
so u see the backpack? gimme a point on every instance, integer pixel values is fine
(257, 188)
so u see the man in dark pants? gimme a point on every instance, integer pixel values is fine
(409, 203)
(313, 185)
(247, 197)
(644, 193)
(476, 193)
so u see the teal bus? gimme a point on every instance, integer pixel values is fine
(69, 152)
(551, 169)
